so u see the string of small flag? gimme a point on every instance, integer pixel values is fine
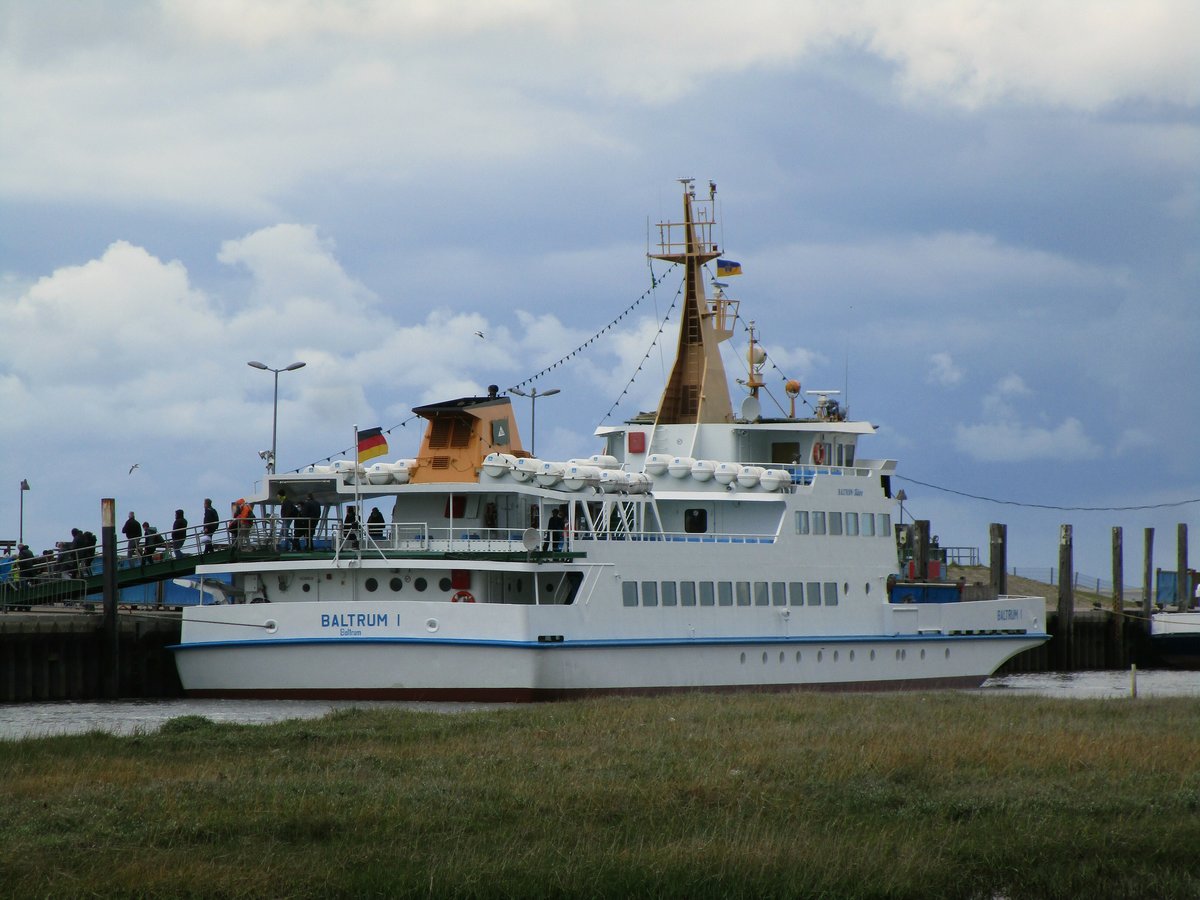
(371, 443)
(661, 326)
(654, 283)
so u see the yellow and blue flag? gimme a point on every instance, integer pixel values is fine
(727, 267)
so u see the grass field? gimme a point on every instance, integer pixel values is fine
(795, 795)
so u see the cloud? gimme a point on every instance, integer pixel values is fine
(943, 371)
(1007, 437)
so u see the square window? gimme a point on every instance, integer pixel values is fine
(725, 593)
(852, 524)
(687, 593)
(796, 593)
(802, 521)
(649, 593)
(868, 525)
(762, 596)
(743, 593)
(835, 523)
(885, 524)
(706, 593)
(695, 521)
(629, 593)
(831, 593)
(814, 593)
(668, 593)
(779, 593)
(818, 523)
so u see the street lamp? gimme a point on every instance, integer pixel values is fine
(275, 406)
(533, 394)
(21, 523)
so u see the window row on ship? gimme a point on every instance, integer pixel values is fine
(732, 593)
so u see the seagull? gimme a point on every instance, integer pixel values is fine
(479, 334)
(134, 466)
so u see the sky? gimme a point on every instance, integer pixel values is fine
(980, 219)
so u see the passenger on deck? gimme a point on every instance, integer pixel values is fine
(350, 527)
(211, 522)
(178, 533)
(289, 511)
(375, 524)
(554, 531)
(132, 530)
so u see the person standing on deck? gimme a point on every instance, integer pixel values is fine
(289, 512)
(132, 529)
(211, 523)
(178, 533)
(375, 524)
(311, 513)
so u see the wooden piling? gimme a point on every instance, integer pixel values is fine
(1118, 595)
(112, 643)
(1183, 584)
(998, 539)
(1066, 599)
(1148, 577)
(921, 550)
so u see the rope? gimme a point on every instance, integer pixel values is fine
(1047, 505)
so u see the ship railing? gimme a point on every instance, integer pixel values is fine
(419, 537)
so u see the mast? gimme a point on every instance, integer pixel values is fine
(697, 391)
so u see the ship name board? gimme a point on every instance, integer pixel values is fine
(351, 624)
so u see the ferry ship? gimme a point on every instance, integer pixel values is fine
(701, 548)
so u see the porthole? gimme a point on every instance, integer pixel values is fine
(835, 656)
(396, 584)
(797, 656)
(851, 656)
(947, 653)
(420, 584)
(872, 654)
(431, 625)
(764, 657)
(743, 657)
(781, 657)
(306, 587)
(444, 585)
(922, 653)
(371, 585)
(820, 653)
(904, 654)
(897, 653)
(867, 588)
(845, 589)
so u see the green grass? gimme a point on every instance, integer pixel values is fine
(797, 795)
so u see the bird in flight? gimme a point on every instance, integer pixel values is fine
(134, 466)
(479, 334)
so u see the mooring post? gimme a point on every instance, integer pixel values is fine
(108, 550)
(1183, 584)
(1148, 578)
(1066, 599)
(998, 539)
(1118, 596)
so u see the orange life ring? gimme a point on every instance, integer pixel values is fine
(463, 597)
(819, 453)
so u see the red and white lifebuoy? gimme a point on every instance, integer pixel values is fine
(818, 453)
(463, 597)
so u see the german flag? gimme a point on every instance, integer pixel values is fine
(371, 443)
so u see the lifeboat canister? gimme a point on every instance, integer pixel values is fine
(497, 465)
(318, 470)
(576, 478)
(726, 473)
(703, 469)
(348, 469)
(402, 470)
(380, 473)
(639, 483)
(749, 475)
(550, 473)
(604, 461)
(613, 480)
(525, 468)
(656, 463)
(774, 479)
(681, 466)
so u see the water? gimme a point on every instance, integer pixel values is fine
(18, 720)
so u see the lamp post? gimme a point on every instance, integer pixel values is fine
(21, 522)
(275, 405)
(533, 395)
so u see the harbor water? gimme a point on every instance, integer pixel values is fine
(20, 720)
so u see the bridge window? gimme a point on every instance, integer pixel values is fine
(831, 593)
(743, 593)
(885, 524)
(706, 593)
(868, 525)
(818, 523)
(649, 593)
(802, 521)
(629, 593)
(687, 593)
(835, 523)
(779, 593)
(725, 593)
(852, 524)
(668, 593)
(796, 593)
(761, 595)
(814, 593)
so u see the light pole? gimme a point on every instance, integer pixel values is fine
(533, 395)
(21, 523)
(275, 405)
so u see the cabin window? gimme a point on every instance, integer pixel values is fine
(649, 593)
(629, 593)
(814, 593)
(695, 521)
(831, 593)
(761, 595)
(420, 584)
(818, 523)
(668, 593)
(849, 454)
(743, 593)
(706, 593)
(852, 524)
(779, 593)
(456, 506)
(868, 525)
(687, 593)
(835, 523)
(802, 521)
(371, 584)
(885, 524)
(796, 593)
(725, 593)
